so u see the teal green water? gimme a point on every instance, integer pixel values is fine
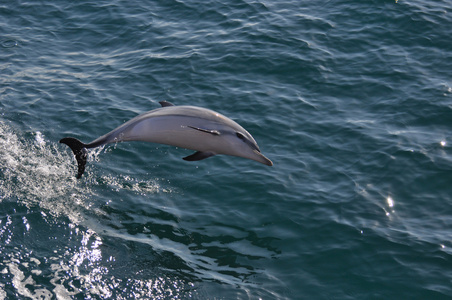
(351, 100)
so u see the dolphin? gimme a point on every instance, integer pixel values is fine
(203, 130)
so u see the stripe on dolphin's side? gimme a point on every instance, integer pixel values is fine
(214, 132)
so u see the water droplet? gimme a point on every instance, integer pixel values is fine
(390, 201)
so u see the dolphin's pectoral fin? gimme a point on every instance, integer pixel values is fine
(199, 156)
(166, 103)
(214, 132)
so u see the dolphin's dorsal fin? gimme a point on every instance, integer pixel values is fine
(214, 132)
(166, 103)
(199, 155)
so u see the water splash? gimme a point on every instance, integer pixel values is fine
(34, 172)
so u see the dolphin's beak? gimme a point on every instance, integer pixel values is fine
(262, 159)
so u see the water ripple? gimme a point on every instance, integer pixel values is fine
(8, 43)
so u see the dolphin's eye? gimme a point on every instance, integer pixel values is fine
(240, 136)
(247, 141)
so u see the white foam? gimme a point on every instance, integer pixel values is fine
(35, 172)
(39, 172)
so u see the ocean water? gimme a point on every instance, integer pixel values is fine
(351, 100)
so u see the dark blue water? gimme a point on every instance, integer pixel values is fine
(351, 100)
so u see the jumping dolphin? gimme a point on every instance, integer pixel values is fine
(200, 129)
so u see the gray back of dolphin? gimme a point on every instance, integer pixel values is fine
(200, 129)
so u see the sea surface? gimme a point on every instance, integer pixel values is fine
(351, 100)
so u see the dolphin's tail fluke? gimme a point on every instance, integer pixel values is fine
(80, 153)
